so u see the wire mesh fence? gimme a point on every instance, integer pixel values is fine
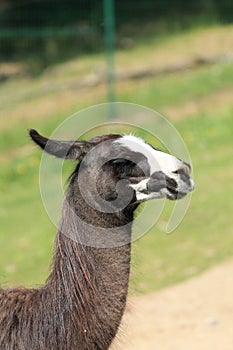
(56, 29)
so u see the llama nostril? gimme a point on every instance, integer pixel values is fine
(184, 170)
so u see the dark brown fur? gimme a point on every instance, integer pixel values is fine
(82, 302)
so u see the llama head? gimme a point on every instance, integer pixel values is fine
(123, 165)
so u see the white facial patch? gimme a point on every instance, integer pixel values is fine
(157, 160)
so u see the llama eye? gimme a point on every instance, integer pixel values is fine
(181, 171)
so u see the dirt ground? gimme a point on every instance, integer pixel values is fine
(194, 315)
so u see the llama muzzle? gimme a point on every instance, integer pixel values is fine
(173, 186)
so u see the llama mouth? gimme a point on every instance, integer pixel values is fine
(177, 190)
(171, 186)
(172, 194)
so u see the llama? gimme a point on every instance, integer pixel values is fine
(83, 300)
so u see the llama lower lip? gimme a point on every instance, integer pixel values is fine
(174, 195)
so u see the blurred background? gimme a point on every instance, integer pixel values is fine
(57, 57)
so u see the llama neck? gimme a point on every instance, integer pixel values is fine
(92, 280)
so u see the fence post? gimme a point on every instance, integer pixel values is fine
(109, 36)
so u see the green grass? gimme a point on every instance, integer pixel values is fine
(203, 239)
(176, 89)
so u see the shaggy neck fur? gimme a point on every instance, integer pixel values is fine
(81, 305)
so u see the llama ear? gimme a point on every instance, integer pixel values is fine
(61, 149)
